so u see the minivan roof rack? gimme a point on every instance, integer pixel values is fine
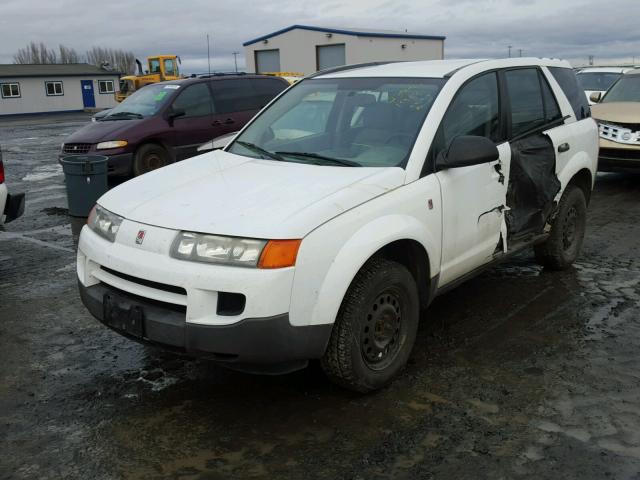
(344, 68)
(216, 74)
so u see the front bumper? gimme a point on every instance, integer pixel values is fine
(615, 156)
(246, 344)
(119, 165)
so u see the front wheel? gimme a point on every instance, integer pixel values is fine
(375, 329)
(149, 157)
(565, 239)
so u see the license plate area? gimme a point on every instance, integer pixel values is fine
(123, 315)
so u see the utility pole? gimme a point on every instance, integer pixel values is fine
(520, 52)
(509, 47)
(235, 60)
(591, 60)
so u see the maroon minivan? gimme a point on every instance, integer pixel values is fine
(166, 122)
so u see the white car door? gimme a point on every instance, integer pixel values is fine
(473, 197)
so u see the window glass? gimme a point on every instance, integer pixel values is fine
(10, 90)
(597, 81)
(627, 89)
(525, 97)
(574, 93)
(169, 67)
(265, 89)
(233, 96)
(154, 65)
(53, 88)
(105, 86)
(146, 101)
(551, 108)
(195, 100)
(474, 111)
(370, 122)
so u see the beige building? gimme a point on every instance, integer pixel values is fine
(52, 88)
(305, 49)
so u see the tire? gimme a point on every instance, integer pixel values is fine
(365, 351)
(565, 239)
(149, 157)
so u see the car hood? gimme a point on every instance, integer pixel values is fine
(100, 131)
(619, 112)
(228, 194)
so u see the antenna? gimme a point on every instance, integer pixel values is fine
(235, 60)
(208, 55)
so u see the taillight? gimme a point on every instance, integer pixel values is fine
(1, 171)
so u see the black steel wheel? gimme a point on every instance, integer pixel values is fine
(563, 245)
(149, 157)
(375, 329)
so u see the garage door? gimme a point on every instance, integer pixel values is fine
(330, 56)
(267, 61)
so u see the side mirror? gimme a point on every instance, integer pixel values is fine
(175, 113)
(595, 97)
(467, 150)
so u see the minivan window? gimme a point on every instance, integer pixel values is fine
(474, 110)
(369, 122)
(195, 100)
(526, 99)
(569, 85)
(265, 89)
(233, 95)
(627, 89)
(143, 103)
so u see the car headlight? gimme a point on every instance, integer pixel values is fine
(111, 144)
(104, 223)
(243, 252)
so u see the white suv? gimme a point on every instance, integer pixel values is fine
(343, 209)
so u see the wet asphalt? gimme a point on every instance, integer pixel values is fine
(519, 373)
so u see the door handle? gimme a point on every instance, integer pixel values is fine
(216, 123)
(229, 121)
(563, 147)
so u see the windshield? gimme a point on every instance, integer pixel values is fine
(627, 89)
(143, 103)
(599, 81)
(370, 122)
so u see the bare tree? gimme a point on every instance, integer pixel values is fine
(35, 53)
(120, 60)
(68, 55)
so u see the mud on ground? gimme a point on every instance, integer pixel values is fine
(519, 373)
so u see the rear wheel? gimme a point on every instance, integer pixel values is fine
(375, 328)
(149, 157)
(562, 247)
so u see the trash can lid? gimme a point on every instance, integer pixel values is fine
(84, 159)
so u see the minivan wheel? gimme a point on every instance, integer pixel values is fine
(563, 245)
(149, 157)
(375, 329)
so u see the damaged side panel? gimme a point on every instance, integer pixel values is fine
(533, 185)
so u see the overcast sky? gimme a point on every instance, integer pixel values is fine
(570, 29)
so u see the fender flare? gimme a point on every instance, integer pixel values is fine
(360, 247)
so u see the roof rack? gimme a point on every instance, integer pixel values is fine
(216, 74)
(344, 68)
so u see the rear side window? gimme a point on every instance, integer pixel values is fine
(195, 100)
(233, 95)
(569, 85)
(265, 89)
(532, 102)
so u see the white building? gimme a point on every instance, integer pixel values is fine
(56, 88)
(305, 49)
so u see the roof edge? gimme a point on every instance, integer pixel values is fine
(354, 33)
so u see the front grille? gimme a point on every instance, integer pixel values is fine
(634, 127)
(76, 148)
(619, 133)
(619, 154)
(147, 283)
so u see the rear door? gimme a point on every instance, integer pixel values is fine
(194, 127)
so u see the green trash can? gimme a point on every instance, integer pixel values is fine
(86, 179)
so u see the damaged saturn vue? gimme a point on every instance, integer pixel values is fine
(341, 210)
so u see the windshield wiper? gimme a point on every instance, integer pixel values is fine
(260, 150)
(316, 156)
(123, 114)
